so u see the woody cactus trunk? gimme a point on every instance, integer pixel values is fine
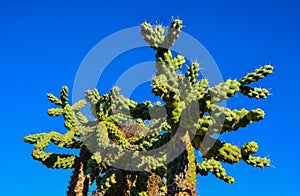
(113, 147)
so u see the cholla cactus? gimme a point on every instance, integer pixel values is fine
(119, 127)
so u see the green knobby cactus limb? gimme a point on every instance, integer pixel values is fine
(78, 105)
(178, 61)
(257, 161)
(52, 160)
(250, 148)
(137, 159)
(230, 87)
(101, 105)
(93, 97)
(223, 91)
(192, 72)
(70, 118)
(165, 57)
(203, 125)
(119, 118)
(42, 140)
(71, 114)
(155, 36)
(53, 99)
(173, 33)
(133, 109)
(167, 65)
(109, 105)
(119, 102)
(223, 119)
(257, 74)
(257, 93)
(64, 95)
(81, 118)
(201, 88)
(187, 92)
(102, 134)
(174, 79)
(234, 119)
(164, 66)
(55, 111)
(162, 87)
(55, 161)
(225, 152)
(69, 139)
(118, 108)
(166, 89)
(215, 167)
(161, 43)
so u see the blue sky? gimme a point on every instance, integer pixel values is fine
(42, 44)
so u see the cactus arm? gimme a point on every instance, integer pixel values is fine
(215, 167)
(55, 161)
(173, 33)
(223, 120)
(228, 153)
(250, 148)
(223, 91)
(192, 72)
(256, 75)
(52, 160)
(257, 93)
(225, 152)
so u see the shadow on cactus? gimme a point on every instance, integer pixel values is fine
(147, 148)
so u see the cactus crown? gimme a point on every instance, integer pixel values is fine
(119, 127)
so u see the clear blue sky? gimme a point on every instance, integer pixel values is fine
(42, 43)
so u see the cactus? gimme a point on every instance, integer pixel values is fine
(120, 127)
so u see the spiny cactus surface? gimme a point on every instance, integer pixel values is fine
(124, 130)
